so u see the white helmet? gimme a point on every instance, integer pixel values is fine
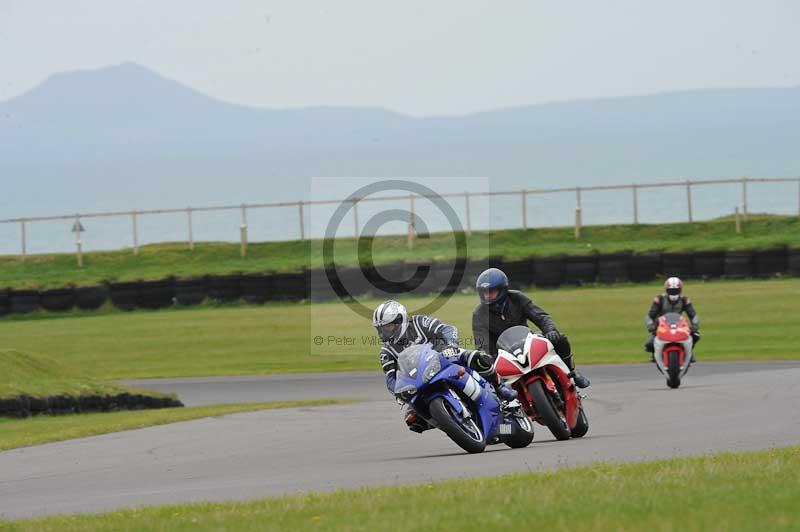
(673, 287)
(390, 319)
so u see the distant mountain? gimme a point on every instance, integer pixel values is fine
(126, 137)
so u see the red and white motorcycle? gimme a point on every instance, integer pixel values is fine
(527, 362)
(673, 347)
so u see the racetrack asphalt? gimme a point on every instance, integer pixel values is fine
(633, 416)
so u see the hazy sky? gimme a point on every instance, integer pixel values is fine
(418, 57)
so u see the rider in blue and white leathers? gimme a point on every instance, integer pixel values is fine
(397, 331)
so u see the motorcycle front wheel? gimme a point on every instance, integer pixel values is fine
(581, 426)
(673, 370)
(552, 417)
(464, 432)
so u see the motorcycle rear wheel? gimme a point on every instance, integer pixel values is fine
(450, 425)
(553, 419)
(523, 435)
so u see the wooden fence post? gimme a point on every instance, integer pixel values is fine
(24, 238)
(135, 231)
(355, 217)
(738, 222)
(77, 229)
(302, 220)
(243, 232)
(524, 196)
(744, 198)
(411, 230)
(191, 230)
(469, 215)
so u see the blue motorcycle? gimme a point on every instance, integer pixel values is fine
(458, 401)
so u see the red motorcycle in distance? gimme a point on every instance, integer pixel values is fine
(673, 347)
(528, 363)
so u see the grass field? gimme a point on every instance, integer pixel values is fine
(161, 260)
(43, 429)
(39, 375)
(725, 492)
(741, 320)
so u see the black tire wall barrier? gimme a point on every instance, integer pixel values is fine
(290, 286)
(125, 296)
(677, 265)
(5, 303)
(225, 288)
(738, 264)
(792, 259)
(257, 289)
(24, 301)
(708, 264)
(521, 273)
(156, 294)
(548, 272)
(644, 268)
(580, 270)
(613, 268)
(190, 291)
(22, 406)
(770, 262)
(58, 300)
(91, 297)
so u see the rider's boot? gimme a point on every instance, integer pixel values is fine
(504, 392)
(580, 380)
(414, 422)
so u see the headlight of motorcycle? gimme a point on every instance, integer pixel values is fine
(432, 369)
(406, 392)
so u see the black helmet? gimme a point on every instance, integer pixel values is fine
(492, 287)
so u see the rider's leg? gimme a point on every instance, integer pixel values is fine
(482, 363)
(564, 350)
(649, 347)
(695, 341)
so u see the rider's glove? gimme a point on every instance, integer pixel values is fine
(482, 361)
(554, 336)
(451, 352)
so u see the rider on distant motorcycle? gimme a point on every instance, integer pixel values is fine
(397, 330)
(671, 301)
(501, 309)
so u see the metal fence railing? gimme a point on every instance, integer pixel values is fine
(300, 206)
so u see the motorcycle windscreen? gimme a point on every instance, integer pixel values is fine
(513, 339)
(673, 318)
(408, 360)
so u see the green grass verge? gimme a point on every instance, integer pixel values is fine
(39, 375)
(162, 260)
(730, 491)
(605, 325)
(43, 429)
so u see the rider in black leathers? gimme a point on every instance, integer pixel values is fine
(671, 301)
(501, 309)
